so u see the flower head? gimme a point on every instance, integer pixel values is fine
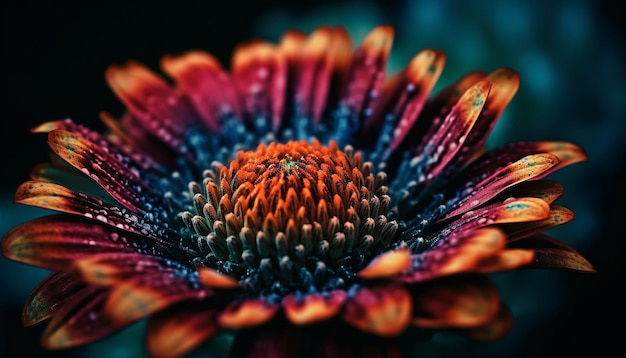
(302, 195)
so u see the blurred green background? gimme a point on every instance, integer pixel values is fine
(570, 54)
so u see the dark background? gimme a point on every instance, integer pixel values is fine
(55, 54)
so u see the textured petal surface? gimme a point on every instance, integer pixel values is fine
(457, 301)
(155, 289)
(314, 307)
(247, 313)
(553, 254)
(382, 310)
(54, 242)
(177, 330)
(118, 180)
(50, 295)
(460, 252)
(80, 320)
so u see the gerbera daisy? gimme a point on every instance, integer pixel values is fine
(301, 200)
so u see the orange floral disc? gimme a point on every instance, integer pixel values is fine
(298, 206)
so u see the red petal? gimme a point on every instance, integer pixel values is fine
(381, 310)
(176, 331)
(453, 131)
(418, 81)
(368, 71)
(117, 179)
(54, 242)
(496, 329)
(50, 295)
(56, 197)
(150, 291)
(316, 64)
(388, 264)
(247, 313)
(150, 100)
(527, 168)
(507, 260)
(553, 254)
(80, 320)
(504, 85)
(313, 307)
(111, 268)
(208, 87)
(459, 252)
(212, 278)
(456, 301)
(260, 74)
(546, 190)
(558, 216)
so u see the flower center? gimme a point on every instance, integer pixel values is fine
(292, 216)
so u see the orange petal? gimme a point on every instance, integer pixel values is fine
(313, 307)
(506, 260)
(496, 329)
(389, 264)
(457, 301)
(175, 332)
(247, 313)
(214, 279)
(382, 310)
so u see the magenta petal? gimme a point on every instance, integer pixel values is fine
(152, 102)
(526, 168)
(368, 71)
(80, 320)
(50, 295)
(54, 242)
(152, 290)
(260, 74)
(209, 88)
(118, 180)
(553, 254)
(56, 197)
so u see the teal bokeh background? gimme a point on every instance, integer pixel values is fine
(570, 55)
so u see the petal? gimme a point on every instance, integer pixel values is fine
(381, 310)
(408, 96)
(496, 329)
(506, 260)
(388, 264)
(504, 85)
(558, 216)
(151, 101)
(512, 210)
(59, 198)
(50, 295)
(317, 65)
(366, 78)
(456, 301)
(150, 291)
(546, 190)
(313, 307)
(527, 168)
(176, 331)
(247, 313)
(211, 278)
(260, 74)
(209, 88)
(460, 252)
(80, 320)
(450, 135)
(54, 242)
(497, 159)
(553, 254)
(111, 268)
(117, 179)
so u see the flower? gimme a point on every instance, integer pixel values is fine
(303, 200)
